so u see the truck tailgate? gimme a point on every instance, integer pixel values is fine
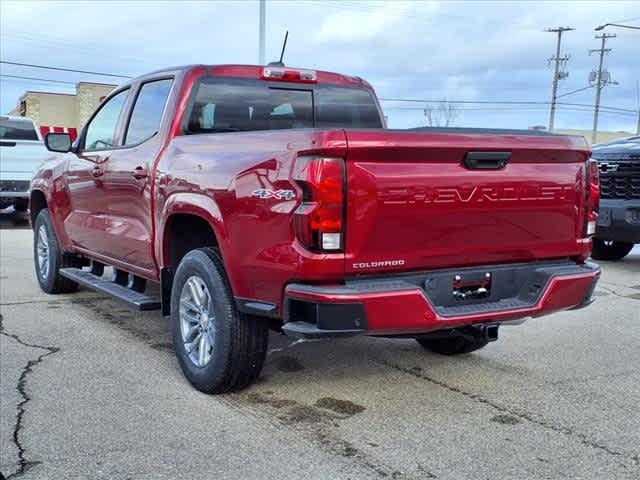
(414, 203)
(19, 159)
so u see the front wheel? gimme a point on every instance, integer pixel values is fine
(49, 257)
(219, 349)
(610, 249)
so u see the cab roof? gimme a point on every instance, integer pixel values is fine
(258, 71)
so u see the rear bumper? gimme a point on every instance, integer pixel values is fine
(619, 220)
(422, 302)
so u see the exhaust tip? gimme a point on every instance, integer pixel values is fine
(491, 332)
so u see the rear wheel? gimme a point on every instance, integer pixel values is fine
(49, 257)
(610, 249)
(219, 349)
(453, 345)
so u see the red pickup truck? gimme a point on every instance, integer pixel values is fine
(255, 197)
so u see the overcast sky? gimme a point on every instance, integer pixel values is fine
(459, 51)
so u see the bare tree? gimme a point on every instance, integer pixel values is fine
(442, 115)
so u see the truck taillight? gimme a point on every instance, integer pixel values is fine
(319, 220)
(593, 196)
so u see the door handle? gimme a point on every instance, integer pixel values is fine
(139, 173)
(97, 172)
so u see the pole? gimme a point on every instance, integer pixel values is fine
(557, 75)
(263, 14)
(638, 105)
(599, 85)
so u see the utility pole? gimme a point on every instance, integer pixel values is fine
(262, 34)
(638, 105)
(558, 74)
(602, 79)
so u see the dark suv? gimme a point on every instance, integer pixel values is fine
(619, 221)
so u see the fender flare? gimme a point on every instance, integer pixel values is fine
(44, 185)
(196, 204)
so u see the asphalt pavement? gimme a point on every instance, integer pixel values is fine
(91, 389)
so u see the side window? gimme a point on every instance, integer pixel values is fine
(147, 111)
(101, 131)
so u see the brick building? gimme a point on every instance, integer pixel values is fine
(62, 112)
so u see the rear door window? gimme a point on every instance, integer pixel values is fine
(147, 111)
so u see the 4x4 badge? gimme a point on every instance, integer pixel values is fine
(277, 194)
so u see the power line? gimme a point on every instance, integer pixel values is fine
(522, 109)
(62, 69)
(20, 77)
(505, 102)
(83, 49)
(496, 102)
(626, 20)
(575, 91)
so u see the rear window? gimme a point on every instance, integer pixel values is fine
(339, 107)
(232, 105)
(17, 130)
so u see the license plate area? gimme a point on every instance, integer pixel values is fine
(500, 285)
(471, 286)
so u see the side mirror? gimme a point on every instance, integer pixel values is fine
(58, 142)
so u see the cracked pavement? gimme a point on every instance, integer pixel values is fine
(91, 389)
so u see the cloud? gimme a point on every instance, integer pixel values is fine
(429, 50)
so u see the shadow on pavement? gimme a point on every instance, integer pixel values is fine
(10, 219)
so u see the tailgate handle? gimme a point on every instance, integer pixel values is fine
(486, 160)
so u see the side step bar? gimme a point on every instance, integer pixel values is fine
(99, 284)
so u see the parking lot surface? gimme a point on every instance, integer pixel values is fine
(91, 389)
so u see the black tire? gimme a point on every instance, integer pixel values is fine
(610, 250)
(240, 342)
(454, 345)
(51, 281)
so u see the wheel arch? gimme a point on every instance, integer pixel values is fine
(37, 202)
(201, 217)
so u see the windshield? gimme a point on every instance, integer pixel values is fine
(17, 130)
(231, 105)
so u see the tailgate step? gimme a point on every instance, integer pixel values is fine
(89, 280)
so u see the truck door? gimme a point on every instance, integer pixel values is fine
(85, 173)
(128, 178)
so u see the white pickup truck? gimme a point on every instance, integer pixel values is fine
(21, 153)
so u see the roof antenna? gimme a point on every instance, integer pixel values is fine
(280, 63)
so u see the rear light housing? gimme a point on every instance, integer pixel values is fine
(289, 75)
(593, 197)
(319, 220)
